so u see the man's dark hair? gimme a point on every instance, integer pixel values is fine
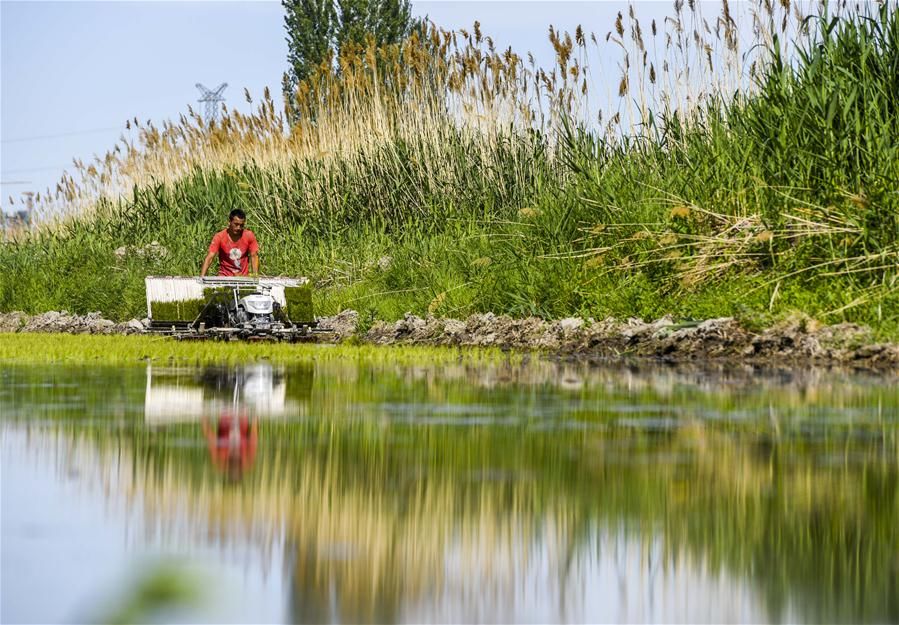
(237, 212)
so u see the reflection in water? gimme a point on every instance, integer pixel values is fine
(178, 394)
(496, 493)
(228, 402)
(232, 442)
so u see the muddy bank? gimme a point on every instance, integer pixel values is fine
(64, 322)
(796, 342)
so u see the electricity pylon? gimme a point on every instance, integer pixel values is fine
(211, 97)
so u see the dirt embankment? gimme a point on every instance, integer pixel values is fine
(64, 322)
(797, 342)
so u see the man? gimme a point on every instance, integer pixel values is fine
(234, 246)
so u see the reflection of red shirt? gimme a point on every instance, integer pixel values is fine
(234, 256)
(233, 441)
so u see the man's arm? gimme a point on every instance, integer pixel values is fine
(253, 250)
(213, 252)
(206, 263)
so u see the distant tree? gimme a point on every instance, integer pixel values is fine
(389, 21)
(318, 30)
(310, 26)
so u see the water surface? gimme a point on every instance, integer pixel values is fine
(496, 493)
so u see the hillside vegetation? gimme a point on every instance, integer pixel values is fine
(445, 177)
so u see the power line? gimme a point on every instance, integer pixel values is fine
(28, 169)
(60, 134)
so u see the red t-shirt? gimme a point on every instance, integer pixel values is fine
(234, 255)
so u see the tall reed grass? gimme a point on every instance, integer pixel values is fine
(745, 167)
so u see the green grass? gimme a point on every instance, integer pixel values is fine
(780, 199)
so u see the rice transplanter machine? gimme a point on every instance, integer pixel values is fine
(231, 308)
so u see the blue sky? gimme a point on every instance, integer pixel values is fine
(71, 73)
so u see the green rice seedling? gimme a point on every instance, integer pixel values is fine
(99, 349)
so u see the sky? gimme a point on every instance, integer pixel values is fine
(72, 73)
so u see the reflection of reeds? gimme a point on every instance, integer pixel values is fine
(352, 384)
(464, 514)
(793, 486)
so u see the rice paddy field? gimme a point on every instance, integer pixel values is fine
(747, 167)
(370, 491)
(110, 350)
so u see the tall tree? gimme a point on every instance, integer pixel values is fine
(310, 26)
(317, 29)
(389, 21)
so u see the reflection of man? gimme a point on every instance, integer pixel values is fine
(232, 444)
(235, 247)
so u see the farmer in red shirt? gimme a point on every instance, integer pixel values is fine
(235, 246)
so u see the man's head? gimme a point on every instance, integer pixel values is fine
(236, 220)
